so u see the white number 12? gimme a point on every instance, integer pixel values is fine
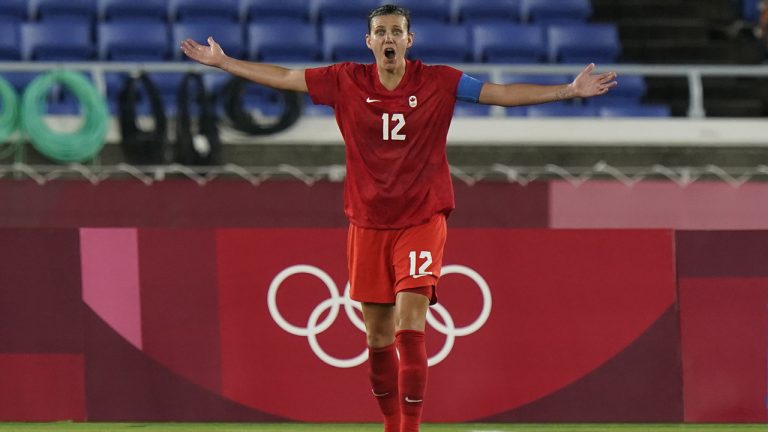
(427, 257)
(396, 136)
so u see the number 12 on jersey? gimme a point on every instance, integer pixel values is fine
(394, 133)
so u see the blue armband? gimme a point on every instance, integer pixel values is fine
(469, 89)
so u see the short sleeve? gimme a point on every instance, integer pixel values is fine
(323, 84)
(448, 78)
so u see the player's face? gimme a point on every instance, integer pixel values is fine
(389, 39)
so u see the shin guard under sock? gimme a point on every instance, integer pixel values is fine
(383, 367)
(413, 377)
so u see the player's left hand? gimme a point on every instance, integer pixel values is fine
(588, 85)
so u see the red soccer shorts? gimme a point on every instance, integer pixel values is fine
(384, 262)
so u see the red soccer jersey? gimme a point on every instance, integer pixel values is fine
(397, 170)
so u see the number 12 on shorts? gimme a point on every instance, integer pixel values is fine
(426, 256)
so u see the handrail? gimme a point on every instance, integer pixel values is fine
(693, 73)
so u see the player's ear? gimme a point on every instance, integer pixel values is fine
(368, 40)
(410, 40)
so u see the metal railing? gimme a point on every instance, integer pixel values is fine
(693, 73)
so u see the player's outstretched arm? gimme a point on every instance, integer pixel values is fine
(266, 74)
(585, 85)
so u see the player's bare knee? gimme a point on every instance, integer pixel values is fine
(380, 339)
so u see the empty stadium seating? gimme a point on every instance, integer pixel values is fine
(9, 40)
(52, 9)
(206, 10)
(440, 43)
(560, 11)
(134, 41)
(478, 12)
(131, 10)
(284, 41)
(264, 10)
(345, 41)
(66, 40)
(227, 34)
(583, 43)
(509, 43)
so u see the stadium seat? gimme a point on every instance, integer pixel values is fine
(345, 41)
(629, 92)
(168, 84)
(583, 43)
(65, 40)
(535, 79)
(204, 10)
(509, 43)
(77, 9)
(283, 41)
(134, 41)
(322, 10)
(556, 11)
(655, 110)
(119, 10)
(557, 110)
(15, 10)
(517, 111)
(440, 43)
(475, 12)
(9, 40)
(264, 10)
(423, 11)
(227, 34)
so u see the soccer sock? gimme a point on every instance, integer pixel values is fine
(383, 365)
(413, 377)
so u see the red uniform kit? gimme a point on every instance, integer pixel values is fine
(397, 172)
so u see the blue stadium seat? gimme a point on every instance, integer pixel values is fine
(227, 34)
(78, 9)
(204, 10)
(168, 84)
(134, 41)
(9, 40)
(654, 110)
(556, 11)
(629, 92)
(263, 10)
(345, 41)
(283, 41)
(440, 43)
(321, 10)
(517, 111)
(423, 11)
(119, 10)
(556, 110)
(15, 10)
(535, 79)
(583, 43)
(475, 12)
(19, 80)
(509, 43)
(65, 40)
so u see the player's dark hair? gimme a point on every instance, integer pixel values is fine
(390, 9)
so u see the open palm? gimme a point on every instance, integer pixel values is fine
(587, 85)
(211, 54)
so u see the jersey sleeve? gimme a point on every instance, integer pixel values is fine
(323, 83)
(448, 77)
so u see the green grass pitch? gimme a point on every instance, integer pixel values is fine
(347, 427)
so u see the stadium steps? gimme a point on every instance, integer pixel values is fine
(689, 32)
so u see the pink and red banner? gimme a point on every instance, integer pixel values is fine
(227, 304)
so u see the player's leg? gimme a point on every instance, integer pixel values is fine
(418, 262)
(411, 311)
(383, 364)
(371, 280)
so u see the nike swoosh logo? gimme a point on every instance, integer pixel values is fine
(420, 275)
(379, 395)
(369, 100)
(409, 400)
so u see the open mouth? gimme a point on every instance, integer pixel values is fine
(389, 53)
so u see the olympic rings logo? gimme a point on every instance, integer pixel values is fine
(314, 328)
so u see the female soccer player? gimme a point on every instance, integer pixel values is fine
(394, 116)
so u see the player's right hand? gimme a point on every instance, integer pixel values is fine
(211, 54)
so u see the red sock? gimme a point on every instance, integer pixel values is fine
(413, 377)
(383, 365)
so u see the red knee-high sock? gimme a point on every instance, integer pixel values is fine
(383, 367)
(413, 377)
